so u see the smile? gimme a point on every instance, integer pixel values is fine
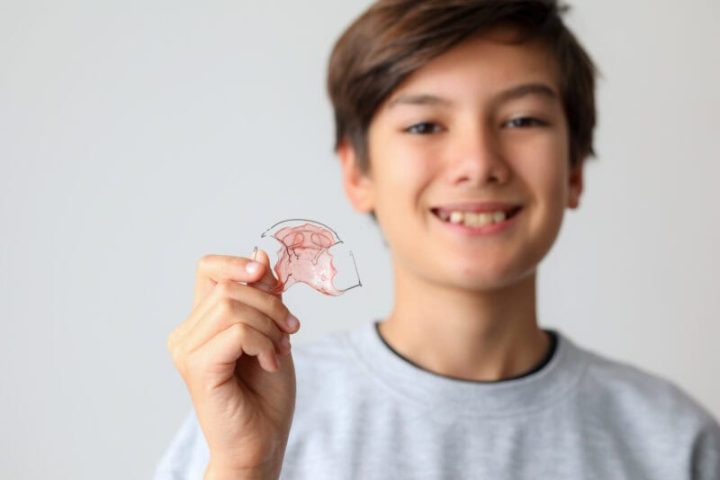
(477, 222)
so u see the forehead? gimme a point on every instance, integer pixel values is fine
(486, 63)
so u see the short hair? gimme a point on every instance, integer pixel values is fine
(395, 38)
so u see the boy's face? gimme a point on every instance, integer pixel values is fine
(450, 138)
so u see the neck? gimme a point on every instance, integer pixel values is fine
(487, 336)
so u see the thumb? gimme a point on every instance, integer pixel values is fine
(267, 282)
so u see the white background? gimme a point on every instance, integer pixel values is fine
(137, 136)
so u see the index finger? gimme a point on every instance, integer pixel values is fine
(212, 269)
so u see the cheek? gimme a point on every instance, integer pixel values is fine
(544, 166)
(402, 169)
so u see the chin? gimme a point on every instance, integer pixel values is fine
(483, 278)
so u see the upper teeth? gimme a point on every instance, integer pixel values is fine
(473, 219)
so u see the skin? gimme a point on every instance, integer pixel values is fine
(464, 306)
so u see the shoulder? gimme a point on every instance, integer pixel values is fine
(628, 406)
(626, 383)
(634, 398)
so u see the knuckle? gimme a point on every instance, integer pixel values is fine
(226, 306)
(204, 261)
(174, 345)
(178, 359)
(224, 287)
(239, 334)
(269, 346)
(277, 308)
(193, 367)
(238, 331)
(272, 335)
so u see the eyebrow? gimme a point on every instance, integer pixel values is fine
(538, 89)
(419, 99)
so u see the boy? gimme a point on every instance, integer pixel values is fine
(462, 127)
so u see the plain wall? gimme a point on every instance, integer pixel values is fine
(137, 136)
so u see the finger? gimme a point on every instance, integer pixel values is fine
(212, 269)
(215, 361)
(226, 313)
(270, 305)
(268, 282)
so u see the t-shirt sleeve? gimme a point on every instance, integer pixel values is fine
(187, 455)
(706, 452)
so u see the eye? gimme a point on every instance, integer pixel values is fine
(423, 128)
(521, 122)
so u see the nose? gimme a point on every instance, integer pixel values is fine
(476, 159)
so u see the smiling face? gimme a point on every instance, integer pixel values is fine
(469, 165)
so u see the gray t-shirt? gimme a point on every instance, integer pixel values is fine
(364, 412)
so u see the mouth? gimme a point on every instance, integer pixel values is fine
(477, 217)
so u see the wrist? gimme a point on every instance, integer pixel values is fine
(227, 474)
(223, 472)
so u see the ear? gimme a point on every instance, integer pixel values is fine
(358, 186)
(575, 185)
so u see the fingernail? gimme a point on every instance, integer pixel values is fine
(252, 267)
(292, 322)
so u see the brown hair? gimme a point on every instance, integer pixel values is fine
(394, 38)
